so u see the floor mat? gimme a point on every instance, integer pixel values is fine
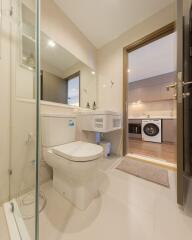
(146, 171)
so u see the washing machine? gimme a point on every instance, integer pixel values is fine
(152, 130)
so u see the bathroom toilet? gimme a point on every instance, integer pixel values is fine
(75, 163)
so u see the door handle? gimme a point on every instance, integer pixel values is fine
(180, 87)
(187, 83)
(174, 85)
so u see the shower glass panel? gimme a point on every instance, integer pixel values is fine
(24, 117)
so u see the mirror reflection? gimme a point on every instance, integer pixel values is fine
(64, 78)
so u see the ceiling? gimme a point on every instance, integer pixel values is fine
(156, 58)
(101, 21)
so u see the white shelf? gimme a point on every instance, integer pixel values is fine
(27, 36)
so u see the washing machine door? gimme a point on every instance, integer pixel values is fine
(151, 129)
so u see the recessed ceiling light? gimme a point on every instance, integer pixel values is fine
(51, 43)
(93, 72)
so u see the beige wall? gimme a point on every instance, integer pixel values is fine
(110, 59)
(110, 65)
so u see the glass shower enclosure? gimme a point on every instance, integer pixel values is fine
(21, 23)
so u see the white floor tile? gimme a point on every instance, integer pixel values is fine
(133, 190)
(170, 221)
(129, 208)
(4, 234)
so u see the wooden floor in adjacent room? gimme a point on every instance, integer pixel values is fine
(164, 151)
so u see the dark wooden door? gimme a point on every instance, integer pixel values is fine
(184, 98)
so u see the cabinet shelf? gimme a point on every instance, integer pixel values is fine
(27, 37)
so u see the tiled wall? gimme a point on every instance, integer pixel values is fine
(161, 108)
(151, 97)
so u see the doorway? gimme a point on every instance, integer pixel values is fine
(149, 98)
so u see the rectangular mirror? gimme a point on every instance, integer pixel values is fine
(64, 78)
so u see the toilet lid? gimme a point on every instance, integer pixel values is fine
(79, 151)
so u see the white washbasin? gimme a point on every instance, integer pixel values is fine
(100, 121)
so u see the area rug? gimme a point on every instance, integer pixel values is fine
(144, 170)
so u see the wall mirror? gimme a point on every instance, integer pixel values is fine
(64, 78)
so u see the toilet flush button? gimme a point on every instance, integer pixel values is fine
(71, 123)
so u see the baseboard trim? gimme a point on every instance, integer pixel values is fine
(157, 162)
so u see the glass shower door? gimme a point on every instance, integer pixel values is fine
(25, 116)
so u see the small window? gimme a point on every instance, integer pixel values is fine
(73, 90)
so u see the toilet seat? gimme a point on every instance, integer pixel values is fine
(79, 151)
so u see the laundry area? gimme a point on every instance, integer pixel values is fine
(152, 124)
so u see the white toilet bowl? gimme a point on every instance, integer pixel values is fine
(75, 167)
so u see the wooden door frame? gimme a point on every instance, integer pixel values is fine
(162, 32)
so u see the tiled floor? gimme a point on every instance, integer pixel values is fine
(4, 234)
(129, 208)
(164, 151)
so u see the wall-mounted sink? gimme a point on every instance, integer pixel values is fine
(100, 121)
